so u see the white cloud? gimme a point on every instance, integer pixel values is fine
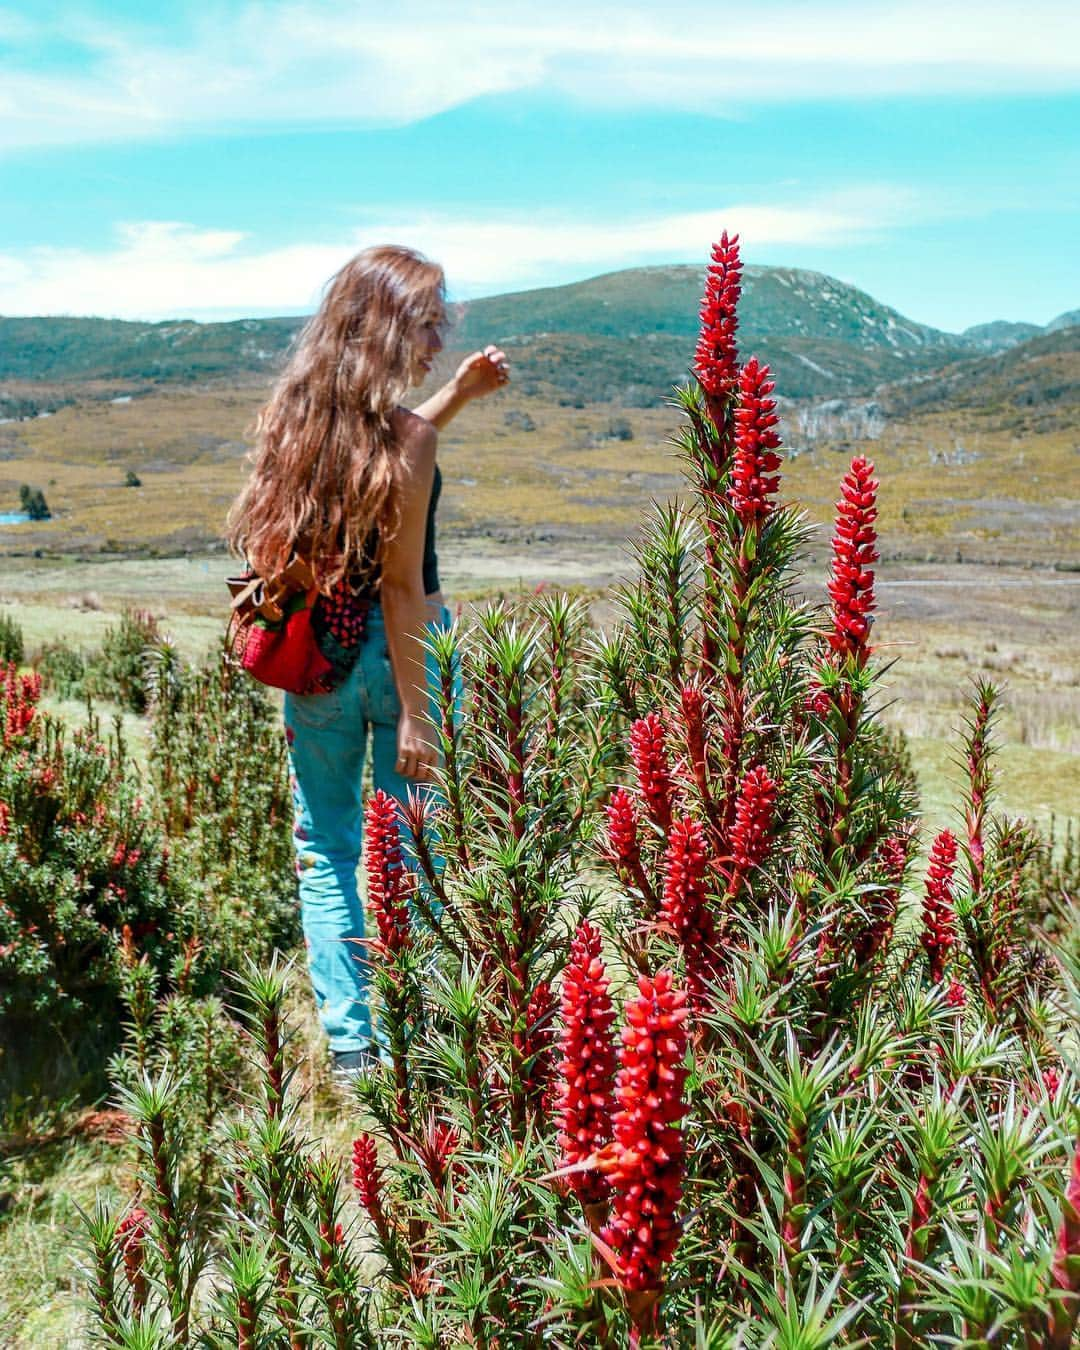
(166, 269)
(277, 62)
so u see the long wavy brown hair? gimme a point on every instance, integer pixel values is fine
(325, 467)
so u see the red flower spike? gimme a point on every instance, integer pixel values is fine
(851, 584)
(539, 1047)
(19, 696)
(388, 881)
(716, 360)
(1065, 1265)
(645, 1161)
(692, 703)
(754, 476)
(956, 996)
(939, 918)
(648, 750)
(892, 857)
(751, 836)
(623, 843)
(586, 1067)
(5, 819)
(131, 1234)
(684, 905)
(367, 1178)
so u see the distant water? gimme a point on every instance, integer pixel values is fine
(13, 517)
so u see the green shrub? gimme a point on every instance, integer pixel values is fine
(82, 863)
(218, 773)
(63, 669)
(120, 672)
(33, 502)
(11, 641)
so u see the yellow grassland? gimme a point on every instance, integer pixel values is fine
(951, 482)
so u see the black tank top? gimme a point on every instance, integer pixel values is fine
(339, 620)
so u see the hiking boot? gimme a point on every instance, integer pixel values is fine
(349, 1065)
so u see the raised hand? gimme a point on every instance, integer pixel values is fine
(483, 372)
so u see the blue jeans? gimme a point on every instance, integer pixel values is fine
(328, 736)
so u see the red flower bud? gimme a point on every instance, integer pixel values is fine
(623, 843)
(131, 1234)
(684, 905)
(586, 1067)
(851, 585)
(751, 836)
(648, 750)
(646, 1159)
(367, 1178)
(388, 881)
(716, 359)
(754, 476)
(939, 918)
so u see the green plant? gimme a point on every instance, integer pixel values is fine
(217, 769)
(120, 671)
(62, 669)
(82, 866)
(673, 1057)
(11, 641)
(33, 502)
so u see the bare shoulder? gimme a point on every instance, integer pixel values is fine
(417, 437)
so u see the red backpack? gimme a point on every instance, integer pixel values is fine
(270, 629)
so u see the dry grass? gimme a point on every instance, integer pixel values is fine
(952, 483)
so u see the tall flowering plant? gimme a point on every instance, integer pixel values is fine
(677, 1054)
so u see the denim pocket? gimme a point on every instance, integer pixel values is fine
(313, 710)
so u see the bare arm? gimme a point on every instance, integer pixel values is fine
(479, 374)
(403, 602)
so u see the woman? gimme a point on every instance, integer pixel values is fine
(346, 473)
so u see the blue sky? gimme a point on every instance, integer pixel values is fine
(215, 160)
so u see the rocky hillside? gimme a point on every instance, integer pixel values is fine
(1033, 386)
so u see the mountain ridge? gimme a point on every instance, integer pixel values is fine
(623, 336)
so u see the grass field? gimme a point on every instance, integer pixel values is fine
(966, 482)
(939, 626)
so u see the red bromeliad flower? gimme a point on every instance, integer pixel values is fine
(623, 840)
(716, 360)
(646, 1158)
(586, 1068)
(851, 585)
(939, 918)
(648, 750)
(5, 819)
(751, 836)
(388, 881)
(754, 474)
(684, 905)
